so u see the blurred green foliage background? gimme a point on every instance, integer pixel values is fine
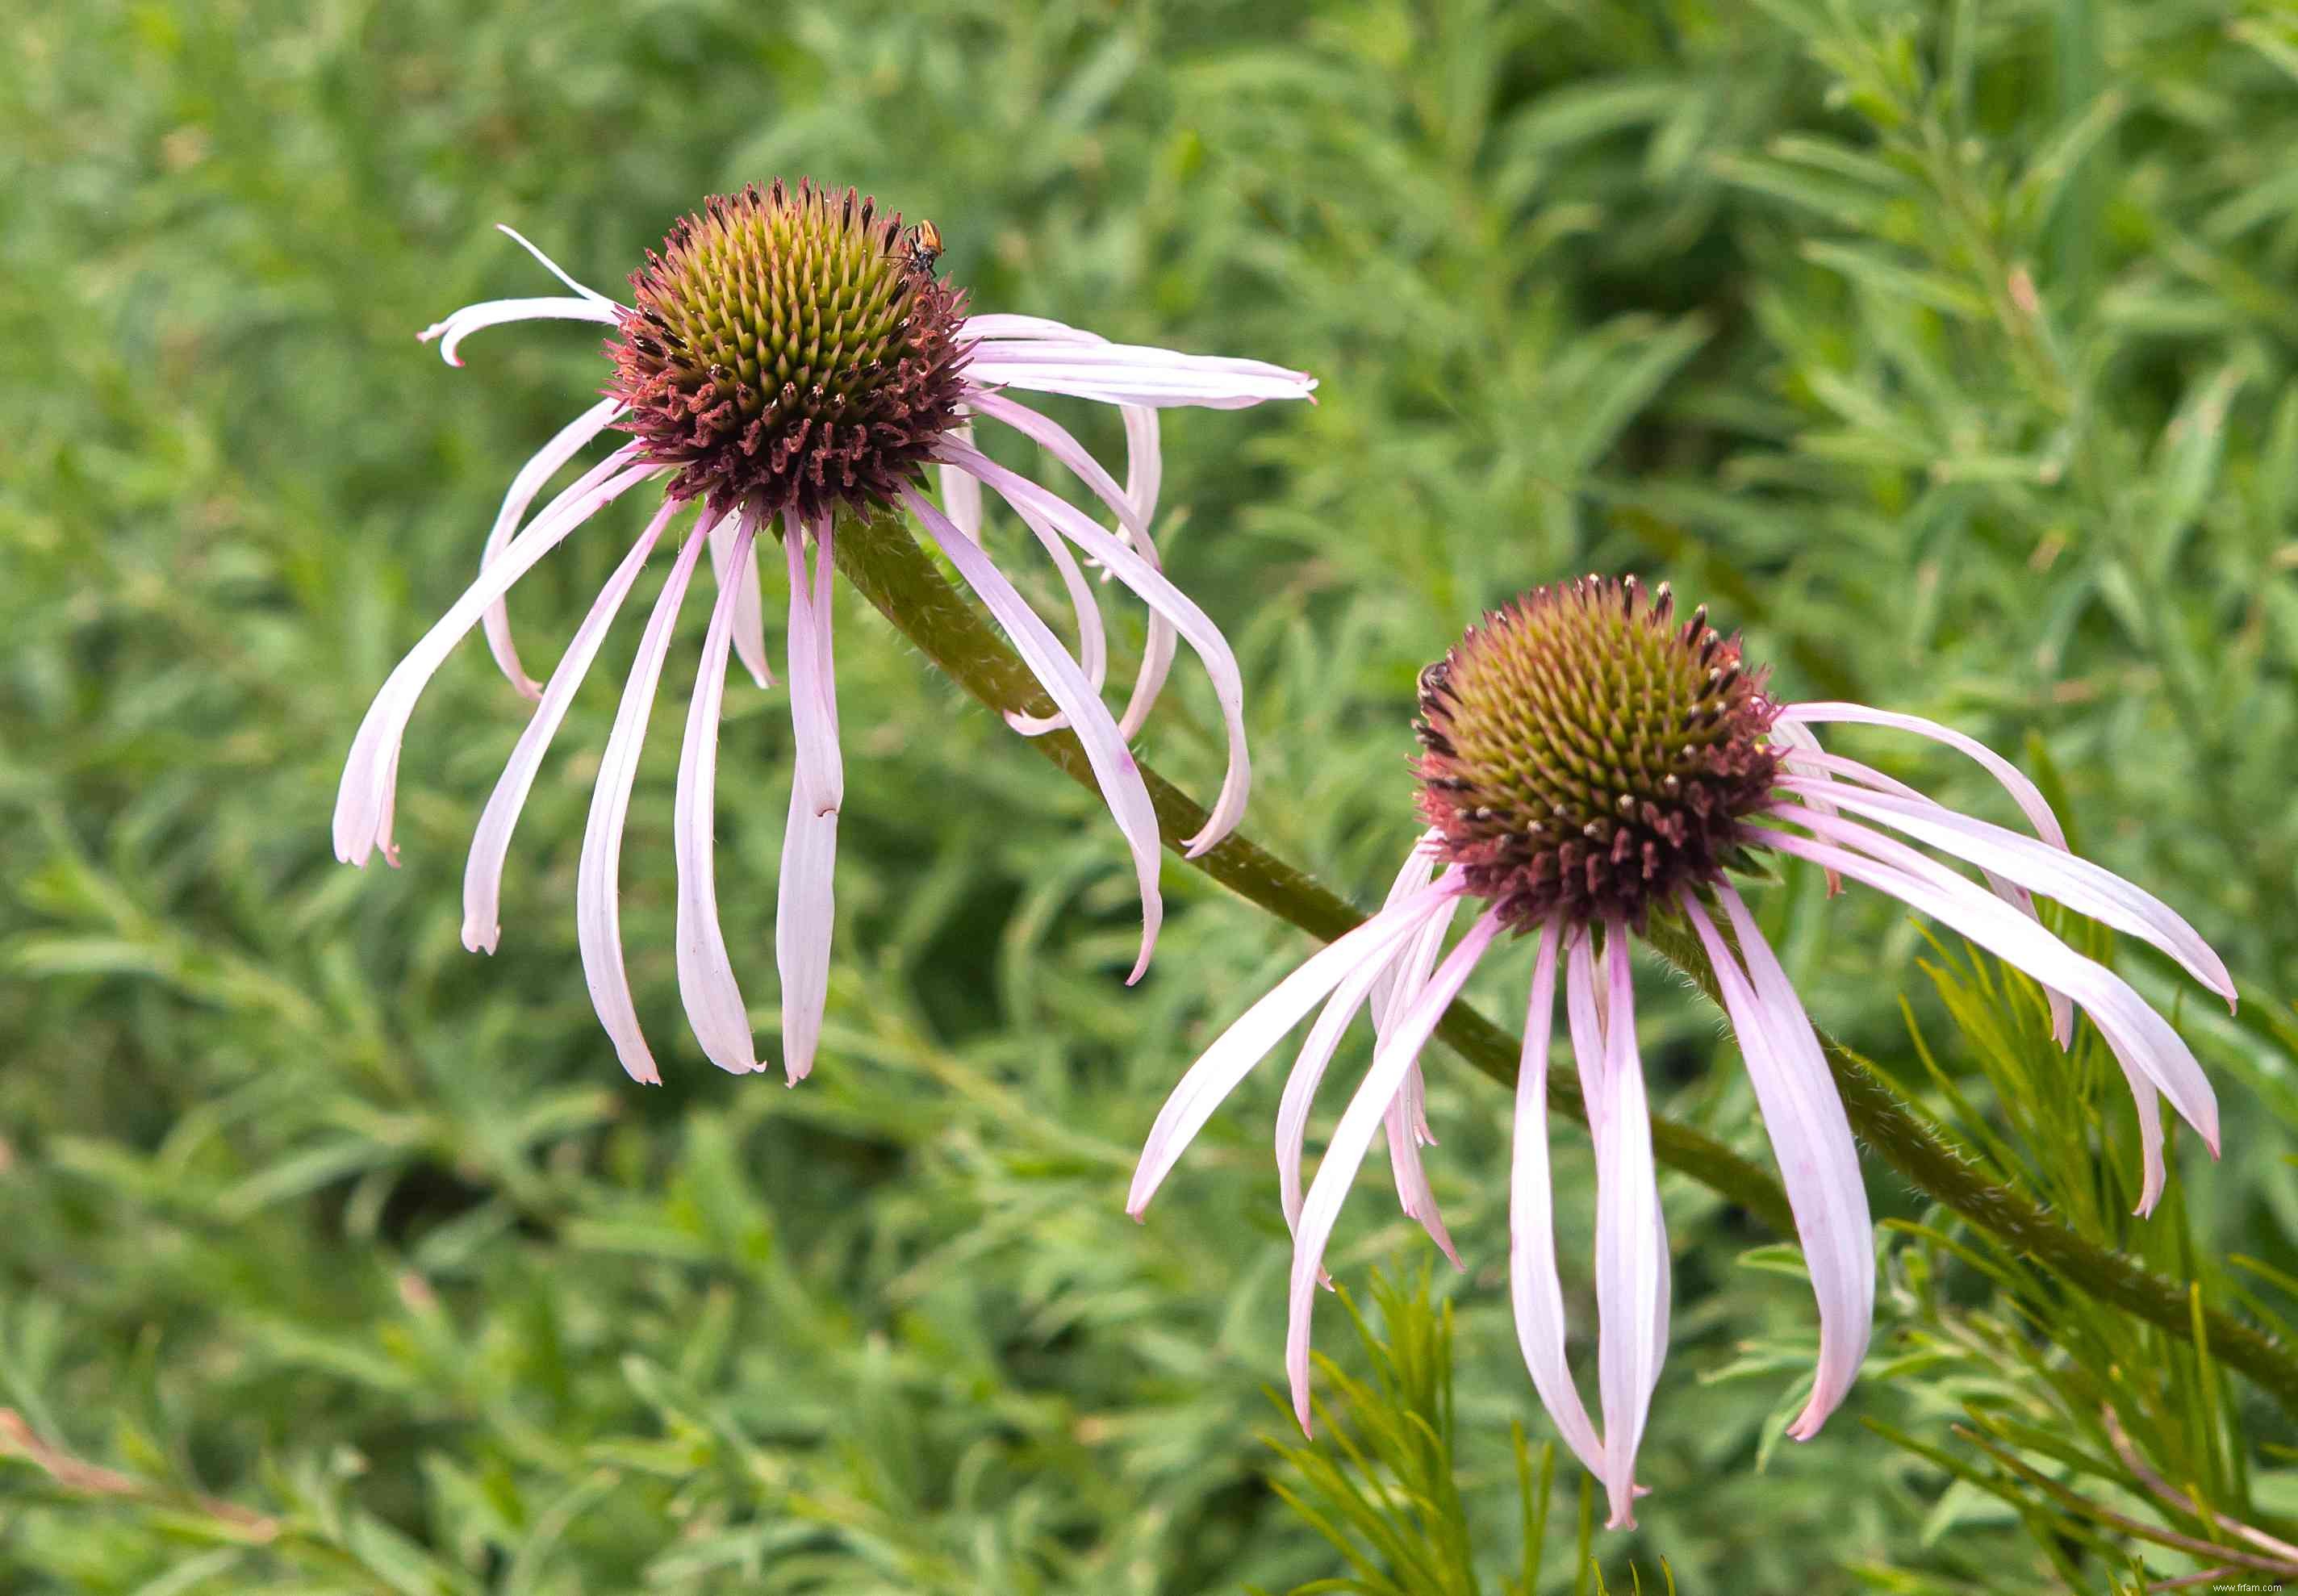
(1946, 349)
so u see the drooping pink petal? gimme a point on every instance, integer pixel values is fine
(1057, 440)
(961, 494)
(1250, 1037)
(1092, 645)
(1405, 1128)
(550, 265)
(494, 312)
(1586, 1003)
(1157, 650)
(1811, 1139)
(364, 800)
(1113, 768)
(706, 971)
(1374, 978)
(1420, 866)
(726, 534)
(1414, 1194)
(1317, 1053)
(1824, 767)
(597, 911)
(825, 566)
(1535, 1291)
(1353, 1138)
(1797, 743)
(490, 844)
(1003, 324)
(1416, 1094)
(1132, 374)
(806, 907)
(570, 441)
(1631, 1252)
(2073, 880)
(2148, 1101)
(2138, 1035)
(1145, 478)
(1588, 1046)
(2024, 792)
(1163, 598)
(1145, 466)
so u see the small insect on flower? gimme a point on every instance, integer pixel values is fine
(788, 360)
(1590, 765)
(925, 247)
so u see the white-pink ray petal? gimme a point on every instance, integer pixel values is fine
(1093, 641)
(1535, 1290)
(1811, 1140)
(1004, 324)
(1586, 1026)
(1145, 466)
(1057, 440)
(549, 265)
(490, 843)
(2072, 879)
(1163, 598)
(1249, 1037)
(1145, 480)
(1414, 1194)
(1112, 762)
(1404, 1128)
(726, 534)
(597, 908)
(494, 312)
(1375, 978)
(1420, 867)
(961, 494)
(365, 798)
(1132, 374)
(2139, 1036)
(806, 910)
(1629, 1245)
(1316, 1054)
(570, 441)
(706, 971)
(1353, 1138)
(2024, 792)
(1308, 1073)
(1824, 767)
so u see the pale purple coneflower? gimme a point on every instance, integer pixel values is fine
(1588, 762)
(789, 354)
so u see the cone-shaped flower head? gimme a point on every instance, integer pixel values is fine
(1588, 754)
(1589, 764)
(789, 348)
(790, 354)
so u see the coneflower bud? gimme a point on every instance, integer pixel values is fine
(1584, 752)
(789, 348)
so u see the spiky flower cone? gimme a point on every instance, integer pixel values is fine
(790, 348)
(1585, 753)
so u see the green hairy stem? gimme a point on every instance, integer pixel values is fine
(883, 559)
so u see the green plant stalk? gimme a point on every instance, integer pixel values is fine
(884, 561)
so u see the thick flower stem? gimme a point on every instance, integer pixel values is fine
(884, 561)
